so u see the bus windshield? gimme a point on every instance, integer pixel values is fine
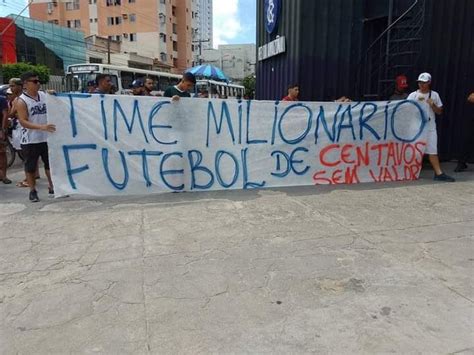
(77, 82)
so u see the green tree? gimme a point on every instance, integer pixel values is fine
(17, 69)
(249, 84)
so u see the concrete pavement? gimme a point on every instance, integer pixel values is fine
(373, 268)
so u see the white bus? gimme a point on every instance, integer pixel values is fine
(78, 75)
(219, 89)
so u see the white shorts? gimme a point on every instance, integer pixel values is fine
(432, 142)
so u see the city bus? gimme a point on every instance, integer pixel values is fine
(78, 75)
(219, 89)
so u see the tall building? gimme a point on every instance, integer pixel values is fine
(158, 31)
(202, 26)
(237, 61)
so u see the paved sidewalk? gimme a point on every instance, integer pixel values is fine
(373, 268)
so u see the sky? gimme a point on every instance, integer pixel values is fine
(234, 20)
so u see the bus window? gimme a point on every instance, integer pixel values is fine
(127, 79)
(163, 83)
(115, 83)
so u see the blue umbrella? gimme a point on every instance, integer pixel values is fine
(209, 72)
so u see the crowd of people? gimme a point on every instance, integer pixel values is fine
(24, 111)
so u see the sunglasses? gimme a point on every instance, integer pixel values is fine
(35, 81)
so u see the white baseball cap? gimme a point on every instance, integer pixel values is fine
(424, 77)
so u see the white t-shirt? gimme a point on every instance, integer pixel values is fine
(421, 99)
(36, 114)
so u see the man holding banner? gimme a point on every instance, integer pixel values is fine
(32, 114)
(182, 89)
(432, 105)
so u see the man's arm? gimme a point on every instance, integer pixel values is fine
(23, 117)
(436, 104)
(5, 118)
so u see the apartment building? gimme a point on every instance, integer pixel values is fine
(202, 26)
(159, 31)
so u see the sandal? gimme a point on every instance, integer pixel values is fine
(22, 184)
(6, 181)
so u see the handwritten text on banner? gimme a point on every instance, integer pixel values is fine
(116, 145)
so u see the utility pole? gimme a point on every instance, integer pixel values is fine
(200, 41)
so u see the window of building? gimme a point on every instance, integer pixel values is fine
(54, 22)
(163, 37)
(131, 1)
(95, 20)
(92, 2)
(132, 17)
(91, 20)
(110, 21)
(95, 60)
(77, 23)
(175, 28)
(132, 37)
(175, 45)
(163, 56)
(72, 5)
(118, 38)
(173, 10)
(163, 1)
(118, 20)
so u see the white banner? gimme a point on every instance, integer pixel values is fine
(117, 145)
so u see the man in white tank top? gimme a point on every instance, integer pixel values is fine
(32, 113)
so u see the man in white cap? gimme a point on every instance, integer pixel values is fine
(431, 103)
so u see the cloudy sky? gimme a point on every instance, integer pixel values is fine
(234, 20)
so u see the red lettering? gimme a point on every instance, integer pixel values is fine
(363, 156)
(336, 177)
(379, 148)
(420, 148)
(318, 180)
(322, 155)
(351, 176)
(405, 153)
(346, 153)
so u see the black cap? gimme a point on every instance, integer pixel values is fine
(137, 84)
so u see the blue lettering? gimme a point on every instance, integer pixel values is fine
(154, 111)
(196, 166)
(322, 119)
(136, 112)
(252, 141)
(72, 113)
(308, 126)
(363, 121)
(70, 172)
(164, 173)
(219, 156)
(144, 154)
(248, 184)
(224, 112)
(346, 126)
(422, 126)
(105, 161)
